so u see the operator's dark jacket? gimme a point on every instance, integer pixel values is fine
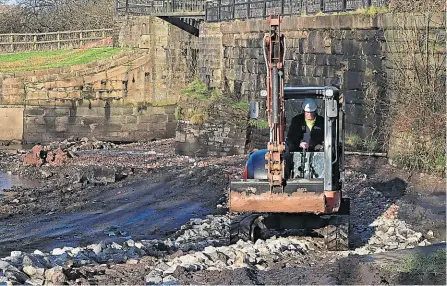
(299, 132)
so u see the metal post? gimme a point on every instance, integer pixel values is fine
(234, 8)
(11, 40)
(343, 7)
(322, 6)
(58, 41)
(248, 8)
(282, 7)
(219, 4)
(265, 9)
(127, 6)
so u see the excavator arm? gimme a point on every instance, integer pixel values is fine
(274, 48)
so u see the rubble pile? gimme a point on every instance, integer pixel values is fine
(200, 244)
(59, 153)
(390, 233)
(42, 155)
(72, 144)
(374, 220)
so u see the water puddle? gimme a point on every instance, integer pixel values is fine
(7, 181)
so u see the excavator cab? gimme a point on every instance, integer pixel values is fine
(293, 190)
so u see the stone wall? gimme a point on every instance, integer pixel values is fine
(172, 54)
(108, 123)
(321, 50)
(213, 127)
(218, 138)
(117, 99)
(211, 60)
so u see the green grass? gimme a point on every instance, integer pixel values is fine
(53, 59)
(353, 140)
(241, 105)
(197, 90)
(259, 123)
(420, 264)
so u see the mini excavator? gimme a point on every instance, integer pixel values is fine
(284, 190)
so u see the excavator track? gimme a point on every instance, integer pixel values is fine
(243, 227)
(337, 231)
(336, 234)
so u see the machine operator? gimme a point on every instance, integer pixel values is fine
(307, 129)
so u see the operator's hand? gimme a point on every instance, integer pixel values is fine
(304, 145)
(318, 147)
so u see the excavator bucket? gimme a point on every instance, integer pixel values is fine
(255, 196)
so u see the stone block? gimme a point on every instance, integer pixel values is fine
(111, 127)
(170, 128)
(353, 97)
(33, 111)
(58, 112)
(353, 80)
(336, 47)
(89, 121)
(74, 82)
(316, 42)
(61, 124)
(48, 137)
(228, 40)
(95, 78)
(116, 120)
(144, 42)
(119, 73)
(118, 135)
(131, 119)
(30, 137)
(30, 121)
(11, 123)
(370, 48)
(350, 47)
(85, 111)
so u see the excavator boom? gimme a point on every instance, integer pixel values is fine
(274, 47)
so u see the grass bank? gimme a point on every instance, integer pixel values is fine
(53, 59)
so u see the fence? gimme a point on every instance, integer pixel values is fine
(161, 7)
(225, 10)
(10, 43)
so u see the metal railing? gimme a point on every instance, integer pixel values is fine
(226, 10)
(10, 43)
(180, 8)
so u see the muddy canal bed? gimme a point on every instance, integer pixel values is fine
(151, 216)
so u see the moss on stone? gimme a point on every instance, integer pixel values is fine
(197, 101)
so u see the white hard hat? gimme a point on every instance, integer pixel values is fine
(309, 105)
